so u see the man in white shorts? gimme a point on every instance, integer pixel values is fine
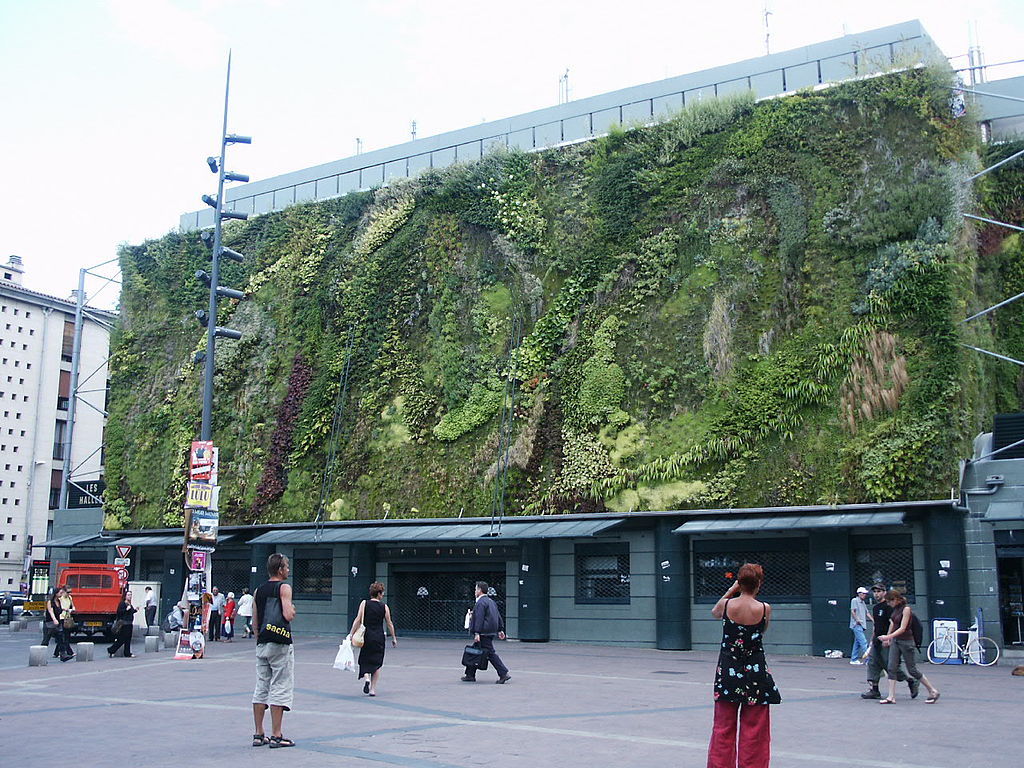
(273, 612)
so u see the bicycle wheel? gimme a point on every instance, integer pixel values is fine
(941, 652)
(982, 651)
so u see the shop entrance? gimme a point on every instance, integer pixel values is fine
(432, 599)
(1011, 596)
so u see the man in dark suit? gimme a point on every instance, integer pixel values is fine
(485, 624)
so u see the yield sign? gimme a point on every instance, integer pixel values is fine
(123, 551)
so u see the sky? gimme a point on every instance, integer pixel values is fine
(109, 108)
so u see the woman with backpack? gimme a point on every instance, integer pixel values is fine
(901, 644)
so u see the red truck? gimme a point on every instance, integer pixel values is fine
(96, 591)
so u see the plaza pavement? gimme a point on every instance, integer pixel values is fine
(566, 706)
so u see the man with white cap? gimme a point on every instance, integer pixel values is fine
(859, 618)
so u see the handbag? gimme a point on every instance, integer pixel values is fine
(117, 626)
(273, 620)
(474, 657)
(359, 638)
(68, 623)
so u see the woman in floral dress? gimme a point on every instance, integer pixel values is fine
(744, 688)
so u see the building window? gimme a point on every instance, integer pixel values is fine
(602, 573)
(312, 574)
(886, 559)
(785, 561)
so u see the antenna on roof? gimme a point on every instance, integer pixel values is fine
(767, 31)
(412, 130)
(563, 88)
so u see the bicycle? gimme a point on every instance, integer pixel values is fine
(979, 650)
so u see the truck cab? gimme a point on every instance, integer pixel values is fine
(96, 590)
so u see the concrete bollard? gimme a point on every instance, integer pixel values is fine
(84, 651)
(23, 623)
(152, 644)
(153, 630)
(15, 626)
(138, 631)
(170, 639)
(38, 655)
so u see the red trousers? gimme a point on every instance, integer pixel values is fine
(755, 736)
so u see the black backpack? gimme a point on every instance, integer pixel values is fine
(917, 629)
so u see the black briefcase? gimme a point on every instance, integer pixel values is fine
(474, 657)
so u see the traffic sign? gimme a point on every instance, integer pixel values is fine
(122, 551)
(122, 574)
(123, 561)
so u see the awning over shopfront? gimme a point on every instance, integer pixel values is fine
(784, 523)
(74, 541)
(174, 540)
(509, 531)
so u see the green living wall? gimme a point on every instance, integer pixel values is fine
(749, 304)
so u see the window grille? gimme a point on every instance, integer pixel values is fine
(231, 574)
(785, 562)
(435, 602)
(602, 573)
(892, 566)
(312, 574)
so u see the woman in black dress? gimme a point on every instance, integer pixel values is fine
(743, 685)
(373, 614)
(123, 637)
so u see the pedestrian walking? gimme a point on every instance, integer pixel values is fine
(229, 618)
(150, 606)
(373, 614)
(245, 611)
(60, 610)
(485, 624)
(858, 623)
(217, 603)
(902, 645)
(744, 687)
(878, 655)
(273, 612)
(122, 628)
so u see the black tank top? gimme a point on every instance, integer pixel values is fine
(273, 627)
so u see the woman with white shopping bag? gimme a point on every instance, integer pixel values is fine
(372, 616)
(345, 660)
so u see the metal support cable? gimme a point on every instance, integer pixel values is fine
(327, 480)
(993, 308)
(991, 168)
(993, 221)
(992, 354)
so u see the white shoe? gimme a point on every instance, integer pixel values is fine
(856, 662)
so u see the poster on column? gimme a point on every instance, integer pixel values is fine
(196, 586)
(202, 529)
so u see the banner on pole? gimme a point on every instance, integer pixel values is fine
(202, 528)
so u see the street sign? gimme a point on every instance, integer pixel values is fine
(122, 574)
(122, 551)
(123, 561)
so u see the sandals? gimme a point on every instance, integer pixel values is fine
(366, 687)
(280, 741)
(259, 739)
(887, 701)
(932, 699)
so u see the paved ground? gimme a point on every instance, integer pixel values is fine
(566, 706)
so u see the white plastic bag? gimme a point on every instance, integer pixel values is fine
(345, 660)
(469, 618)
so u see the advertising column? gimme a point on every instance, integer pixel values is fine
(201, 522)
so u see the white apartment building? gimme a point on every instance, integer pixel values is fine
(36, 342)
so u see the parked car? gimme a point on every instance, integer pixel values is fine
(19, 608)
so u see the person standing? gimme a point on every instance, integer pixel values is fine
(900, 640)
(273, 612)
(878, 655)
(61, 611)
(150, 605)
(245, 611)
(373, 614)
(123, 620)
(216, 614)
(744, 687)
(858, 623)
(229, 618)
(485, 624)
